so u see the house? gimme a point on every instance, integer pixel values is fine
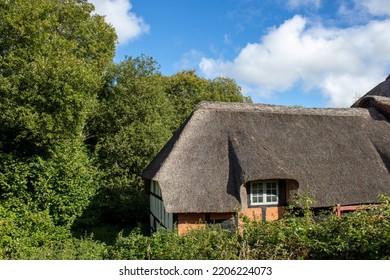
(253, 158)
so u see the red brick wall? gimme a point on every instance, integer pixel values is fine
(274, 213)
(190, 221)
(256, 214)
(221, 216)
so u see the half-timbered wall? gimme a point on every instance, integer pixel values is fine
(158, 216)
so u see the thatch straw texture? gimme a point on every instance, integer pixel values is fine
(336, 155)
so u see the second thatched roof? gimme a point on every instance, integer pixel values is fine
(379, 97)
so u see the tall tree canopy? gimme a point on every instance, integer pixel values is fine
(134, 120)
(53, 54)
(186, 89)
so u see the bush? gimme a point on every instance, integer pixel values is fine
(362, 234)
(71, 249)
(132, 247)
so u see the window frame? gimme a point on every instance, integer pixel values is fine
(263, 193)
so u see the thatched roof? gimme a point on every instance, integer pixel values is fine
(336, 155)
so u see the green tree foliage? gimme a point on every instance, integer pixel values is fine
(53, 57)
(132, 123)
(53, 54)
(185, 90)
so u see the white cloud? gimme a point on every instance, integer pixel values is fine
(293, 4)
(128, 25)
(377, 7)
(356, 11)
(341, 63)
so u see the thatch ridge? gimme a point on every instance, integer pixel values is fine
(276, 109)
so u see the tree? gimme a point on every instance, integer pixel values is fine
(186, 89)
(133, 122)
(53, 54)
(53, 57)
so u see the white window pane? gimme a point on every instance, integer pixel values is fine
(272, 198)
(264, 192)
(257, 199)
(256, 189)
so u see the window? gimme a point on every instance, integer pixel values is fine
(264, 193)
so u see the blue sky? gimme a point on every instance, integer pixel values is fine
(312, 53)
